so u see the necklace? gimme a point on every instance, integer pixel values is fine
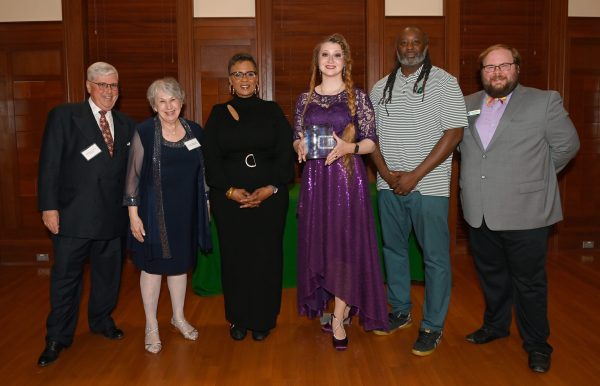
(171, 131)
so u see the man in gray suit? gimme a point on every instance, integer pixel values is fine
(518, 138)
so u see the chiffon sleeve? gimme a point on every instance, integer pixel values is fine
(134, 171)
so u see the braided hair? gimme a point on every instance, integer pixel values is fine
(316, 78)
(424, 75)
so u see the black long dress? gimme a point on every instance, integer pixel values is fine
(250, 153)
(165, 180)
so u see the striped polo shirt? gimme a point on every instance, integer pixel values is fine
(414, 126)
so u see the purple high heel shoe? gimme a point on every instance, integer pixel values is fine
(327, 326)
(338, 344)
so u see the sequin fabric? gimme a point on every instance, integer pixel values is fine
(337, 247)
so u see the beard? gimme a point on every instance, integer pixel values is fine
(500, 91)
(418, 59)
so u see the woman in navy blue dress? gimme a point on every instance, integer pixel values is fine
(165, 194)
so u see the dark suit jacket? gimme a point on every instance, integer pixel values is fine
(87, 193)
(512, 183)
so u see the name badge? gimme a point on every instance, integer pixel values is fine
(91, 152)
(473, 112)
(192, 144)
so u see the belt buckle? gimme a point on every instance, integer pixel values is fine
(251, 158)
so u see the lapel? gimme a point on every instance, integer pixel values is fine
(120, 130)
(475, 103)
(87, 125)
(509, 113)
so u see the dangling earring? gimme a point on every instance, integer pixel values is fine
(256, 90)
(231, 89)
(343, 72)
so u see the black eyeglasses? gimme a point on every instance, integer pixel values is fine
(504, 67)
(106, 86)
(239, 75)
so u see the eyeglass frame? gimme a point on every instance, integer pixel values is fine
(106, 86)
(491, 68)
(239, 75)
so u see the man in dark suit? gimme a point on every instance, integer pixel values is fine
(517, 140)
(80, 189)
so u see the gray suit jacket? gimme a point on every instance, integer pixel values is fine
(513, 182)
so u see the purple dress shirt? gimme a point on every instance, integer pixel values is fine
(488, 120)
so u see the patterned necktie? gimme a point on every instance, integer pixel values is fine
(491, 100)
(106, 132)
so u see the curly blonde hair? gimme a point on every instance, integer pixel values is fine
(316, 78)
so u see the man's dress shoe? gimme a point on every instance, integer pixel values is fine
(539, 361)
(483, 335)
(112, 333)
(50, 353)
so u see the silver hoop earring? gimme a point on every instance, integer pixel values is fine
(256, 90)
(231, 89)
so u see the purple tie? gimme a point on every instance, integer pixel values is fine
(106, 132)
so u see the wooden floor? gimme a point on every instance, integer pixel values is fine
(297, 353)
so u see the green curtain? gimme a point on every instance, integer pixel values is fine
(206, 279)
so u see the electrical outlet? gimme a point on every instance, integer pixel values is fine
(41, 257)
(587, 244)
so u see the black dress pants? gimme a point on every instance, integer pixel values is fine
(66, 284)
(511, 266)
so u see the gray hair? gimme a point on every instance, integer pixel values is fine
(167, 85)
(100, 69)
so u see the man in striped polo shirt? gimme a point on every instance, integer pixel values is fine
(420, 114)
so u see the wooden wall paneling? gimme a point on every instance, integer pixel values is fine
(264, 48)
(520, 23)
(580, 186)
(138, 37)
(185, 55)
(557, 17)
(215, 41)
(74, 14)
(8, 181)
(297, 28)
(375, 17)
(32, 81)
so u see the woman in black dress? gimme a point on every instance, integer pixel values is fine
(165, 195)
(249, 162)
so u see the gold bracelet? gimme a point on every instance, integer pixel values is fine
(229, 192)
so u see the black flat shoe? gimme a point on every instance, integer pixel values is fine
(539, 361)
(112, 333)
(260, 335)
(50, 353)
(482, 336)
(237, 332)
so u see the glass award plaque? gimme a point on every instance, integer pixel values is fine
(318, 140)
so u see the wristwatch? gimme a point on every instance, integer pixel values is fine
(356, 148)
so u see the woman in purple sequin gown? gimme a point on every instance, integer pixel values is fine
(337, 248)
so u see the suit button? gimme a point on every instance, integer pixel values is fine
(484, 156)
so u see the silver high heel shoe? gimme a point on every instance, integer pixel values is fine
(152, 347)
(181, 325)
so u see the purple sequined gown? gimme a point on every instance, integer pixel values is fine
(337, 247)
